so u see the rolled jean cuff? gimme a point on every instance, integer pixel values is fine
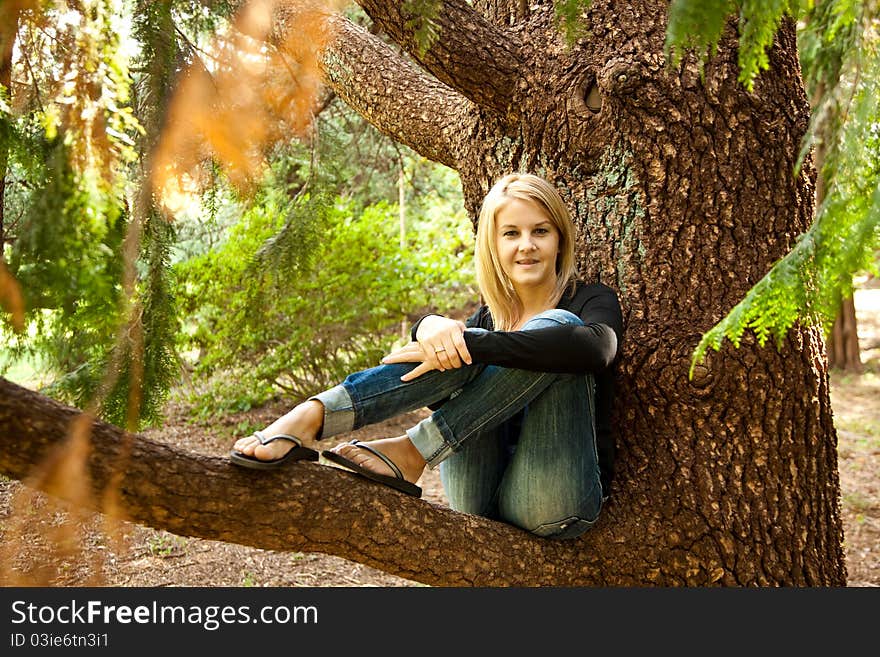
(338, 411)
(430, 441)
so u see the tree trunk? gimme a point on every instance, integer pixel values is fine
(843, 348)
(844, 352)
(682, 189)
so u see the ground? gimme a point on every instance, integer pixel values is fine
(131, 555)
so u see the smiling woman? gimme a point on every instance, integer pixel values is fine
(520, 393)
(528, 246)
(525, 249)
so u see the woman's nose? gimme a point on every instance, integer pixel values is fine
(526, 243)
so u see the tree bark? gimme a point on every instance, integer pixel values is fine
(682, 188)
(394, 94)
(469, 54)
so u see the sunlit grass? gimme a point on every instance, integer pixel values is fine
(27, 372)
(856, 502)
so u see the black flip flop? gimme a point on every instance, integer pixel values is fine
(398, 482)
(296, 453)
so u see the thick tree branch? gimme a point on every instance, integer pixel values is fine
(392, 93)
(306, 507)
(470, 54)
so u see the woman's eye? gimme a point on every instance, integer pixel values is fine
(509, 233)
(541, 231)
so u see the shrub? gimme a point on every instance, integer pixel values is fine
(299, 297)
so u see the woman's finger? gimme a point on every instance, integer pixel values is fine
(433, 353)
(417, 371)
(461, 348)
(403, 357)
(450, 352)
(438, 351)
(410, 353)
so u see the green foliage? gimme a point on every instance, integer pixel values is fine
(240, 257)
(830, 32)
(147, 370)
(67, 260)
(157, 37)
(85, 90)
(164, 545)
(304, 293)
(695, 26)
(758, 22)
(423, 21)
(568, 18)
(71, 149)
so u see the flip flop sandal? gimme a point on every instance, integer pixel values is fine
(296, 453)
(398, 482)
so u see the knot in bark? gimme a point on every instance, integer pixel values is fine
(621, 77)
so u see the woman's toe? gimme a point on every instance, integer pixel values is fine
(364, 459)
(246, 445)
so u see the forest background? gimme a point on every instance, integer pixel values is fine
(259, 275)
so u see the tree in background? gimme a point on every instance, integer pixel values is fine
(304, 291)
(836, 48)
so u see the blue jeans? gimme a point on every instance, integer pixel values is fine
(512, 445)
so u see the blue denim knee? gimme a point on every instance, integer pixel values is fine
(570, 526)
(552, 317)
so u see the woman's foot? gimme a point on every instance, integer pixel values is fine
(399, 450)
(304, 421)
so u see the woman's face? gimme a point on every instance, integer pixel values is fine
(527, 243)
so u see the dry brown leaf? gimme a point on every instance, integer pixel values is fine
(256, 93)
(10, 297)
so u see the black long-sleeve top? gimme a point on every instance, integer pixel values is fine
(566, 348)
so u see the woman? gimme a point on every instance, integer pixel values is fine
(520, 393)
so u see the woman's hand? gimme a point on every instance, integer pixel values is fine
(440, 346)
(411, 353)
(443, 339)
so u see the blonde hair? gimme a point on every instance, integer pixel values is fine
(496, 288)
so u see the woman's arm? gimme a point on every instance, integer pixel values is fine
(565, 348)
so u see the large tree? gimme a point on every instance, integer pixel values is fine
(682, 187)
